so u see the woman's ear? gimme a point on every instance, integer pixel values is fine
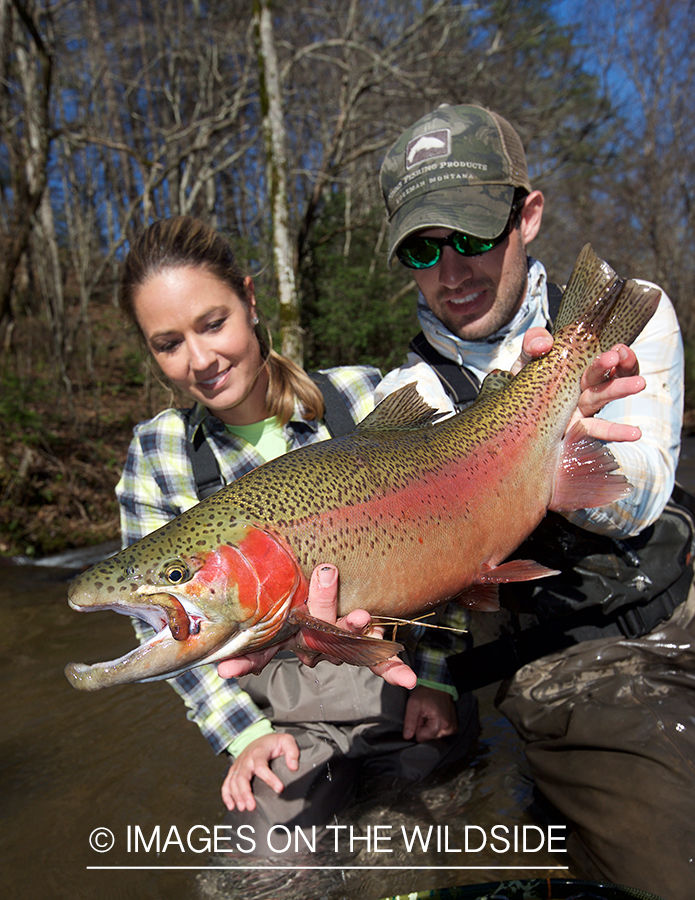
(251, 297)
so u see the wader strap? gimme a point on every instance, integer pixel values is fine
(554, 298)
(206, 471)
(501, 658)
(460, 383)
(337, 417)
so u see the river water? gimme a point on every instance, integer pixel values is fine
(123, 764)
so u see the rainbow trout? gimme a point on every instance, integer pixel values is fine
(413, 509)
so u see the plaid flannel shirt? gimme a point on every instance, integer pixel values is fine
(157, 485)
(648, 464)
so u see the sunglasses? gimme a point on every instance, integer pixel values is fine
(418, 252)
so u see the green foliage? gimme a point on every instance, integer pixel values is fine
(15, 411)
(354, 310)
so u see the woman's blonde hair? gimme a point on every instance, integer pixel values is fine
(183, 241)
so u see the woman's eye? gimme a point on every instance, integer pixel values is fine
(167, 347)
(216, 325)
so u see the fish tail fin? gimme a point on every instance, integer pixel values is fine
(596, 297)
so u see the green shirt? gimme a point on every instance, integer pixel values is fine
(266, 436)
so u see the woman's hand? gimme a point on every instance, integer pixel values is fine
(429, 714)
(254, 760)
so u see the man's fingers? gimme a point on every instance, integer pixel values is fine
(593, 399)
(616, 364)
(614, 432)
(537, 342)
(245, 665)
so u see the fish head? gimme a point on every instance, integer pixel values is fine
(205, 600)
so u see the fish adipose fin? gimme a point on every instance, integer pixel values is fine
(401, 410)
(586, 476)
(355, 649)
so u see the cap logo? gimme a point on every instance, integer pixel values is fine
(431, 145)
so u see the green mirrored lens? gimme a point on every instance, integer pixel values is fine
(424, 252)
(419, 252)
(468, 245)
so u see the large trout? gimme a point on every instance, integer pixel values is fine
(414, 510)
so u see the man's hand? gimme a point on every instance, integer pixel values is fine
(323, 603)
(613, 375)
(429, 714)
(255, 760)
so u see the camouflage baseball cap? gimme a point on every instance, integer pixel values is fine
(456, 167)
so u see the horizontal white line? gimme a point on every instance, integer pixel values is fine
(337, 868)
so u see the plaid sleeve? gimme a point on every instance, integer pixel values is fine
(218, 706)
(156, 484)
(649, 464)
(437, 644)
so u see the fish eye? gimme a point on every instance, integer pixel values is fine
(176, 571)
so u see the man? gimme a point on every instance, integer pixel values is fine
(603, 692)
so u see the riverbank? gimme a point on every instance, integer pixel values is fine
(61, 458)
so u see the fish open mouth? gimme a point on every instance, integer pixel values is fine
(165, 654)
(160, 610)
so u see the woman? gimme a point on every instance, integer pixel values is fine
(197, 314)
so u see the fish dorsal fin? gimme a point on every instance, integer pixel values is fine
(402, 409)
(494, 382)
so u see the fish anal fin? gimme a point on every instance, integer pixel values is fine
(403, 409)
(483, 595)
(587, 476)
(515, 570)
(355, 649)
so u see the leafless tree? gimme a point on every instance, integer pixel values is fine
(26, 78)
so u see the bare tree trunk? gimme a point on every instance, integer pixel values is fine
(21, 42)
(276, 141)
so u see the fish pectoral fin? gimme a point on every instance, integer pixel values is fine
(586, 477)
(355, 649)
